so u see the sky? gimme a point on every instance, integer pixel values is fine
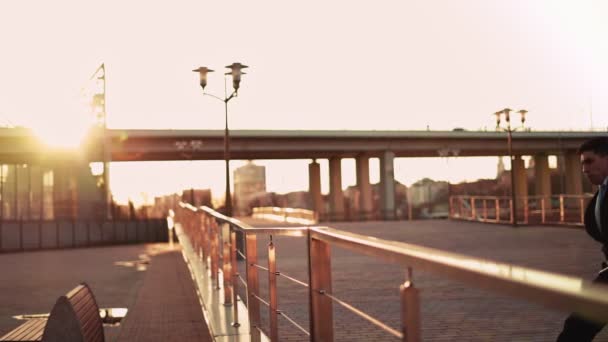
(390, 65)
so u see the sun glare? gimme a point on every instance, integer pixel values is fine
(62, 134)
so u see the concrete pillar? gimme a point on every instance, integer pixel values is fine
(542, 178)
(336, 196)
(521, 181)
(314, 188)
(365, 188)
(573, 174)
(387, 185)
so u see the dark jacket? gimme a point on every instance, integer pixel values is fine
(591, 225)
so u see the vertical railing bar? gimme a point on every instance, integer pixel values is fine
(227, 264)
(473, 209)
(582, 209)
(235, 280)
(253, 286)
(320, 283)
(272, 291)
(511, 211)
(410, 310)
(561, 209)
(497, 203)
(542, 211)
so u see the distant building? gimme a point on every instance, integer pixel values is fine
(428, 198)
(249, 180)
(197, 197)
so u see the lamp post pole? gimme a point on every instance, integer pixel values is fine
(228, 197)
(512, 162)
(509, 130)
(235, 72)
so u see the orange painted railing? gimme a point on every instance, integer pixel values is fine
(214, 239)
(551, 210)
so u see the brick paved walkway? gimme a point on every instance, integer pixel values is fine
(167, 306)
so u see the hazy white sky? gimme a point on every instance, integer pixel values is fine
(401, 65)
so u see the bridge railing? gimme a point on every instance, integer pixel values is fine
(289, 215)
(554, 209)
(214, 238)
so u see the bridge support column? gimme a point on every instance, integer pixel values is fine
(314, 188)
(573, 173)
(521, 182)
(542, 179)
(387, 185)
(365, 188)
(336, 196)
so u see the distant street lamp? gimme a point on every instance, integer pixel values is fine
(509, 131)
(235, 72)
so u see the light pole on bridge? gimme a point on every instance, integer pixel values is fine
(235, 72)
(506, 113)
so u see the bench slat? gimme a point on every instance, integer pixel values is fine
(31, 330)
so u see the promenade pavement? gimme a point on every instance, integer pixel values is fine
(451, 311)
(151, 280)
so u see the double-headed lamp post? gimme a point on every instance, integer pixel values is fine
(506, 112)
(235, 72)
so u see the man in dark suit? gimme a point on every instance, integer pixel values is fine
(594, 160)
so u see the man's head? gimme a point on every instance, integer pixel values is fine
(594, 159)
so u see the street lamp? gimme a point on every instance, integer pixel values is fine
(235, 72)
(509, 130)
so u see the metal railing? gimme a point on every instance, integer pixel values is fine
(289, 215)
(214, 236)
(26, 235)
(552, 210)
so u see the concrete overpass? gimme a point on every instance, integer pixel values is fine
(130, 145)
(20, 146)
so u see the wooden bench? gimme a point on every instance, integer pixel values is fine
(74, 317)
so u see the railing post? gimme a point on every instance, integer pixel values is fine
(460, 207)
(497, 202)
(205, 239)
(542, 211)
(214, 252)
(512, 218)
(485, 209)
(410, 310)
(272, 292)
(526, 209)
(227, 264)
(235, 280)
(562, 215)
(253, 286)
(319, 273)
(582, 209)
(473, 211)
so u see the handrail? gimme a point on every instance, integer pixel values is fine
(550, 289)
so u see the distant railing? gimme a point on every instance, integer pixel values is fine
(25, 235)
(214, 239)
(289, 215)
(551, 210)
